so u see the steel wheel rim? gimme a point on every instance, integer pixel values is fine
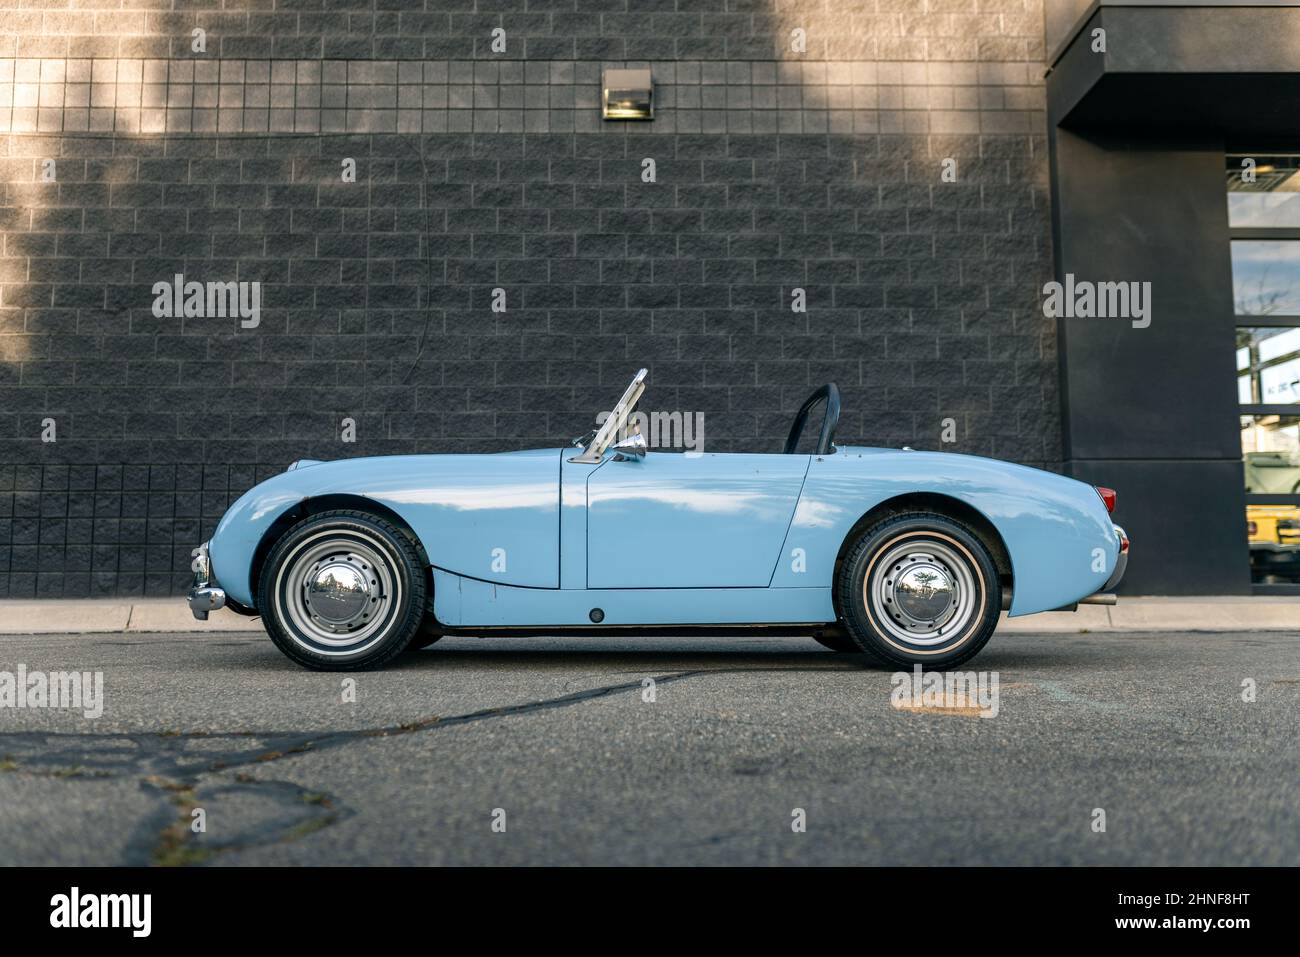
(905, 585)
(339, 592)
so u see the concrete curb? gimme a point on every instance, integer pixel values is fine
(1152, 613)
(1224, 613)
(112, 615)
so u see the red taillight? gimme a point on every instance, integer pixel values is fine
(1107, 496)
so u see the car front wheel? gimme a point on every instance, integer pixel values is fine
(343, 590)
(919, 588)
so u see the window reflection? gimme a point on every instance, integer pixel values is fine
(1274, 535)
(1270, 452)
(1266, 277)
(1272, 200)
(1268, 365)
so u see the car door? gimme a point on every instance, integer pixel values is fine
(690, 520)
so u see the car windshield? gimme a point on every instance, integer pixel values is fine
(613, 425)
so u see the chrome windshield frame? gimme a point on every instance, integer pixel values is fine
(595, 452)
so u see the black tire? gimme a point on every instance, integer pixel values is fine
(836, 640)
(367, 582)
(906, 621)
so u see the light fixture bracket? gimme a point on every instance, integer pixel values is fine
(627, 95)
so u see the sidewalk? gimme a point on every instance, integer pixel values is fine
(1224, 613)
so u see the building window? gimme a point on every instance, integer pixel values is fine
(1265, 195)
(1266, 276)
(1264, 226)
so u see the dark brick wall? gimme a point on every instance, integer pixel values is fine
(922, 305)
(77, 531)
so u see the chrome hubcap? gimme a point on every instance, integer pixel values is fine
(339, 592)
(922, 591)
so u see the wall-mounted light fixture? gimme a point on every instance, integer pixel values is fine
(628, 95)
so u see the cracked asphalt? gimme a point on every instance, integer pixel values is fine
(556, 738)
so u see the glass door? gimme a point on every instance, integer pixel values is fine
(1264, 224)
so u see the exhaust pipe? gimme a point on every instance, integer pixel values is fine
(1101, 598)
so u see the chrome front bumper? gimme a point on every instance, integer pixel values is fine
(205, 596)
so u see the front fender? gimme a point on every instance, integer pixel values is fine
(1057, 531)
(494, 517)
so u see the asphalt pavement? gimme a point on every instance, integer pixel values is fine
(1104, 749)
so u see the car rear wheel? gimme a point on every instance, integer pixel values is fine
(343, 590)
(919, 588)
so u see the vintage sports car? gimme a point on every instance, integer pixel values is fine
(907, 555)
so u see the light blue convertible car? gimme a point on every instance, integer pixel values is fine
(907, 555)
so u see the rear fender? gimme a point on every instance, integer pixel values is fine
(1056, 531)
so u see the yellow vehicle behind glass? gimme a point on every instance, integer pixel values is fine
(1274, 534)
